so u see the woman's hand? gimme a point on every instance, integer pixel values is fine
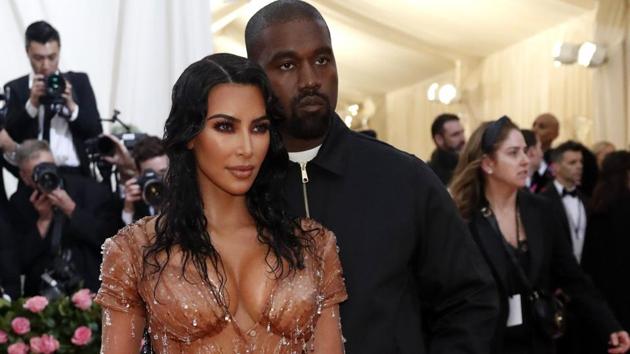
(619, 342)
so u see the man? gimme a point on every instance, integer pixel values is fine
(448, 136)
(535, 155)
(546, 127)
(75, 208)
(150, 157)
(416, 281)
(566, 162)
(35, 112)
(9, 264)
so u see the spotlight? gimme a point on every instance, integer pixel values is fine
(432, 91)
(591, 54)
(447, 93)
(565, 53)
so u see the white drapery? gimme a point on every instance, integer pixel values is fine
(133, 51)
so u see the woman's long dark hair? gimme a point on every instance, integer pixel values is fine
(182, 222)
(467, 186)
(612, 184)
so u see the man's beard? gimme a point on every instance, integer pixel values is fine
(307, 125)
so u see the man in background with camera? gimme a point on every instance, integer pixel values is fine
(61, 221)
(46, 104)
(143, 193)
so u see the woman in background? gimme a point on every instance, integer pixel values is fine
(522, 242)
(222, 269)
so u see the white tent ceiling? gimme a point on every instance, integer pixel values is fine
(384, 45)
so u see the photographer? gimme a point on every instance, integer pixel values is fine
(142, 193)
(9, 266)
(53, 106)
(62, 219)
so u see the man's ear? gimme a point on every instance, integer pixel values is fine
(439, 140)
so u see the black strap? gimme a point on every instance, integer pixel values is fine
(55, 239)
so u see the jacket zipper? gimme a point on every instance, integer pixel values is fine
(304, 182)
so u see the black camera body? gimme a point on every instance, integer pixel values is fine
(46, 177)
(104, 146)
(55, 87)
(152, 187)
(61, 278)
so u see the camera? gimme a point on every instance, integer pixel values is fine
(104, 146)
(152, 188)
(61, 278)
(55, 87)
(46, 177)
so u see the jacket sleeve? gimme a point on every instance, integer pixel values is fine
(19, 124)
(567, 275)
(88, 123)
(458, 293)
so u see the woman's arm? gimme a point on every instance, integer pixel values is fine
(328, 337)
(122, 331)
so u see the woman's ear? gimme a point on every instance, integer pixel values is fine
(190, 144)
(487, 165)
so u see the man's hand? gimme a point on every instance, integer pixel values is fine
(44, 209)
(67, 95)
(62, 200)
(132, 195)
(122, 158)
(38, 89)
(619, 342)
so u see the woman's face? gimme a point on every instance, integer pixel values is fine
(231, 147)
(509, 165)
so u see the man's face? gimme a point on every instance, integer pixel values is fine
(546, 128)
(452, 137)
(569, 168)
(26, 168)
(44, 57)
(298, 58)
(159, 164)
(535, 155)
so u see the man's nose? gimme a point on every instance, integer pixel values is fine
(309, 78)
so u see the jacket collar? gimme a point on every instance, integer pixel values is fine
(334, 154)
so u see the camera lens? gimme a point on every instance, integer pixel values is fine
(55, 85)
(46, 177)
(152, 192)
(105, 146)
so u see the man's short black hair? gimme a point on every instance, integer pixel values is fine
(558, 152)
(148, 148)
(438, 124)
(41, 32)
(530, 137)
(281, 11)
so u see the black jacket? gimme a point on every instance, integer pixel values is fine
(552, 266)
(551, 193)
(443, 163)
(93, 220)
(415, 279)
(21, 126)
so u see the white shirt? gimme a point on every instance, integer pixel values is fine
(576, 216)
(304, 156)
(61, 144)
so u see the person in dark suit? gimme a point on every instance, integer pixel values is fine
(522, 242)
(65, 122)
(83, 209)
(9, 265)
(547, 129)
(563, 192)
(535, 156)
(148, 154)
(448, 135)
(416, 281)
(605, 257)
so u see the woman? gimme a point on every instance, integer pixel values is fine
(222, 269)
(605, 256)
(521, 241)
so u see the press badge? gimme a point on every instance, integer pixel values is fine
(515, 316)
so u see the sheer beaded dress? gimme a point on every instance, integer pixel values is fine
(184, 317)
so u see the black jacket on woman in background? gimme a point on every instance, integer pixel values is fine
(552, 266)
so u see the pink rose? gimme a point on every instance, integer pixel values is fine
(21, 325)
(3, 337)
(36, 304)
(82, 299)
(18, 348)
(82, 336)
(45, 344)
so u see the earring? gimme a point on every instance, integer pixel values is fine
(489, 172)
